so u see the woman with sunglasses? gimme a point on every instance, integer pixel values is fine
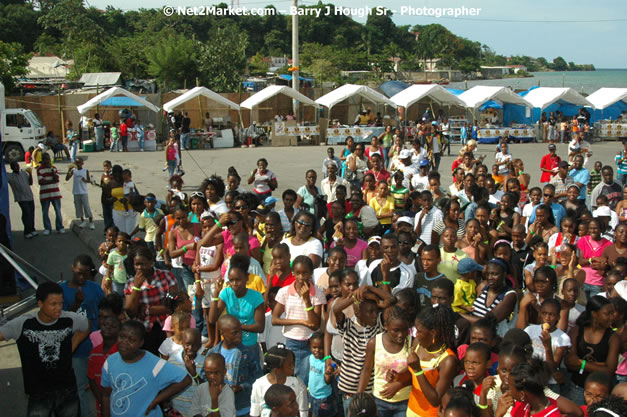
(234, 223)
(301, 240)
(198, 205)
(213, 188)
(356, 166)
(244, 203)
(264, 181)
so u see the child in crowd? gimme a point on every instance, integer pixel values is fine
(570, 309)
(336, 260)
(174, 344)
(128, 187)
(191, 360)
(147, 220)
(280, 271)
(272, 335)
(116, 276)
(321, 397)
(482, 331)
(430, 257)
(280, 368)
(106, 247)
(458, 402)
(109, 329)
(387, 353)
(465, 285)
(255, 271)
(541, 258)
(362, 405)
(281, 400)
(596, 389)
(213, 398)
(79, 191)
(115, 137)
(476, 364)
(549, 342)
(499, 179)
(28, 156)
(302, 303)
(177, 301)
(535, 198)
(527, 381)
(544, 288)
(131, 364)
(242, 362)
(399, 190)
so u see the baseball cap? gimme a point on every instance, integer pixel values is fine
(374, 239)
(269, 200)
(404, 154)
(563, 164)
(552, 147)
(467, 265)
(42, 146)
(603, 211)
(423, 163)
(405, 219)
(621, 289)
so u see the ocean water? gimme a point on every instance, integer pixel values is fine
(582, 81)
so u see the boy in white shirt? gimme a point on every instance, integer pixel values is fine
(81, 195)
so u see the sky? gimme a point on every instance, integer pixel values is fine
(582, 31)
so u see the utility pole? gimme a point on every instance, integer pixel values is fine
(295, 64)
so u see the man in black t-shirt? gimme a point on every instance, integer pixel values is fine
(609, 188)
(45, 341)
(185, 123)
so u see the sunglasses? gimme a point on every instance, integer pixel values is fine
(548, 195)
(197, 194)
(302, 223)
(240, 207)
(404, 242)
(231, 223)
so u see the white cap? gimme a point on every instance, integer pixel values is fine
(404, 154)
(405, 219)
(374, 239)
(621, 289)
(603, 211)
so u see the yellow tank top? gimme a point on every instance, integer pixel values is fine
(418, 405)
(385, 361)
(118, 193)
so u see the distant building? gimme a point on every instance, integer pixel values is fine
(41, 68)
(277, 62)
(495, 72)
(101, 79)
(431, 64)
(516, 68)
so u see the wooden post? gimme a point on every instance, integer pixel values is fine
(60, 113)
(98, 105)
(200, 104)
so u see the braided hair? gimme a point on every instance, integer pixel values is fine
(362, 405)
(276, 357)
(461, 398)
(441, 318)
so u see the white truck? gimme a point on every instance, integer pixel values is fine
(20, 129)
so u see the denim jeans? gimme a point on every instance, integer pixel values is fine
(324, 407)
(80, 372)
(346, 402)
(386, 159)
(124, 140)
(62, 402)
(389, 409)
(118, 287)
(58, 221)
(436, 161)
(187, 277)
(185, 140)
(171, 168)
(28, 215)
(591, 290)
(141, 140)
(99, 132)
(115, 145)
(73, 150)
(301, 352)
(575, 393)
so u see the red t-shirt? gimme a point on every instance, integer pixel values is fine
(123, 129)
(548, 162)
(97, 358)
(275, 281)
(383, 175)
(27, 157)
(524, 410)
(347, 208)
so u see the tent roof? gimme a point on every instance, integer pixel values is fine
(417, 92)
(121, 102)
(102, 79)
(605, 97)
(392, 87)
(112, 92)
(348, 90)
(478, 95)
(273, 90)
(543, 97)
(195, 92)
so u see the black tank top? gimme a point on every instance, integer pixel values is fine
(591, 352)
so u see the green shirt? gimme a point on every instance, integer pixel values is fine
(117, 261)
(399, 196)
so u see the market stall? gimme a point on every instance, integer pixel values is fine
(492, 130)
(119, 97)
(610, 112)
(221, 138)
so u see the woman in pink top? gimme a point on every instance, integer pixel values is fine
(354, 247)
(171, 152)
(592, 263)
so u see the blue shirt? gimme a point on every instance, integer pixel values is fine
(318, 387)
(581, 176)
(135, 385)
(244, 309)
(558, 212)
(183, 400)
(88, 308)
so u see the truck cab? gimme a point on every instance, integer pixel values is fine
(20, 129)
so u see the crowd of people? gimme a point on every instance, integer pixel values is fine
(372, 292)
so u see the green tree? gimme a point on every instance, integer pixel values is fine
(559, 64)
(469, 65)
(222, 61)
(542, 62)
(323, 70)
(13, 63)
(172, 61)
(18, 23)
(379, 30)
(257, 65)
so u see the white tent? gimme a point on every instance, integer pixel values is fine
(542, 97)
(348, 90)
(112, 92)
(195, 92)
(477, 96)
(605, 97)
(272, 91)
(417, 92)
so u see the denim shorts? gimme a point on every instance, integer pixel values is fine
(325, 407)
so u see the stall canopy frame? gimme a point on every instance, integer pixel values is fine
(543, 97)
(478, 95)
(199, 91)
(112, 92)
(606, 97)
(417, 92)
(349, 90)
(272, 91)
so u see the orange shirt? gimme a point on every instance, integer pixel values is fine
(418, 405)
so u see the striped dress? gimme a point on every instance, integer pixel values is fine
(480, 309)
(356, 339)
(48, 191)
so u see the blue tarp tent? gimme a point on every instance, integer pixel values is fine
(491, 104)
(288, 77)
(609, 103)
(121, 102)
(391, 88)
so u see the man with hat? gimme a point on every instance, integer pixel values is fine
(373, 253)
(420, 182)
(561, 182)
(406, 166)
(549, 164)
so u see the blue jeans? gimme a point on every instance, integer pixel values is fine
(389, 409)
(301, 352)
(346, 402)
(107, 215)
(118, 287)
(141, 140)
(171, 167)
(28, 215)
(185, 140)
(62, 402)
(99, 132)
(187, 278)
(386, 160)
(73, 150)
(591, 290)
(436, 161)
(324, 407)
(79, 364)
(58, 221)
(115, 145)
(124, 140)
(575, 393)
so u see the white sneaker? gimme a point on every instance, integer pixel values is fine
(141, 150)
(204, 339)
(61, 231)
(34, 234)
(28, 235)
(83, 225)
(46, 232)
(92, 226)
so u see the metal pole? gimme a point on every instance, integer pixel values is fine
(295, 59)
(17, 267)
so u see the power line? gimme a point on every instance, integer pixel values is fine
(527, 21)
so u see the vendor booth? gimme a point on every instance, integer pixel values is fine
(493, 127)
(338, 134)
(222, 138)
(119, 97)
(610, 112)
(284, 136)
